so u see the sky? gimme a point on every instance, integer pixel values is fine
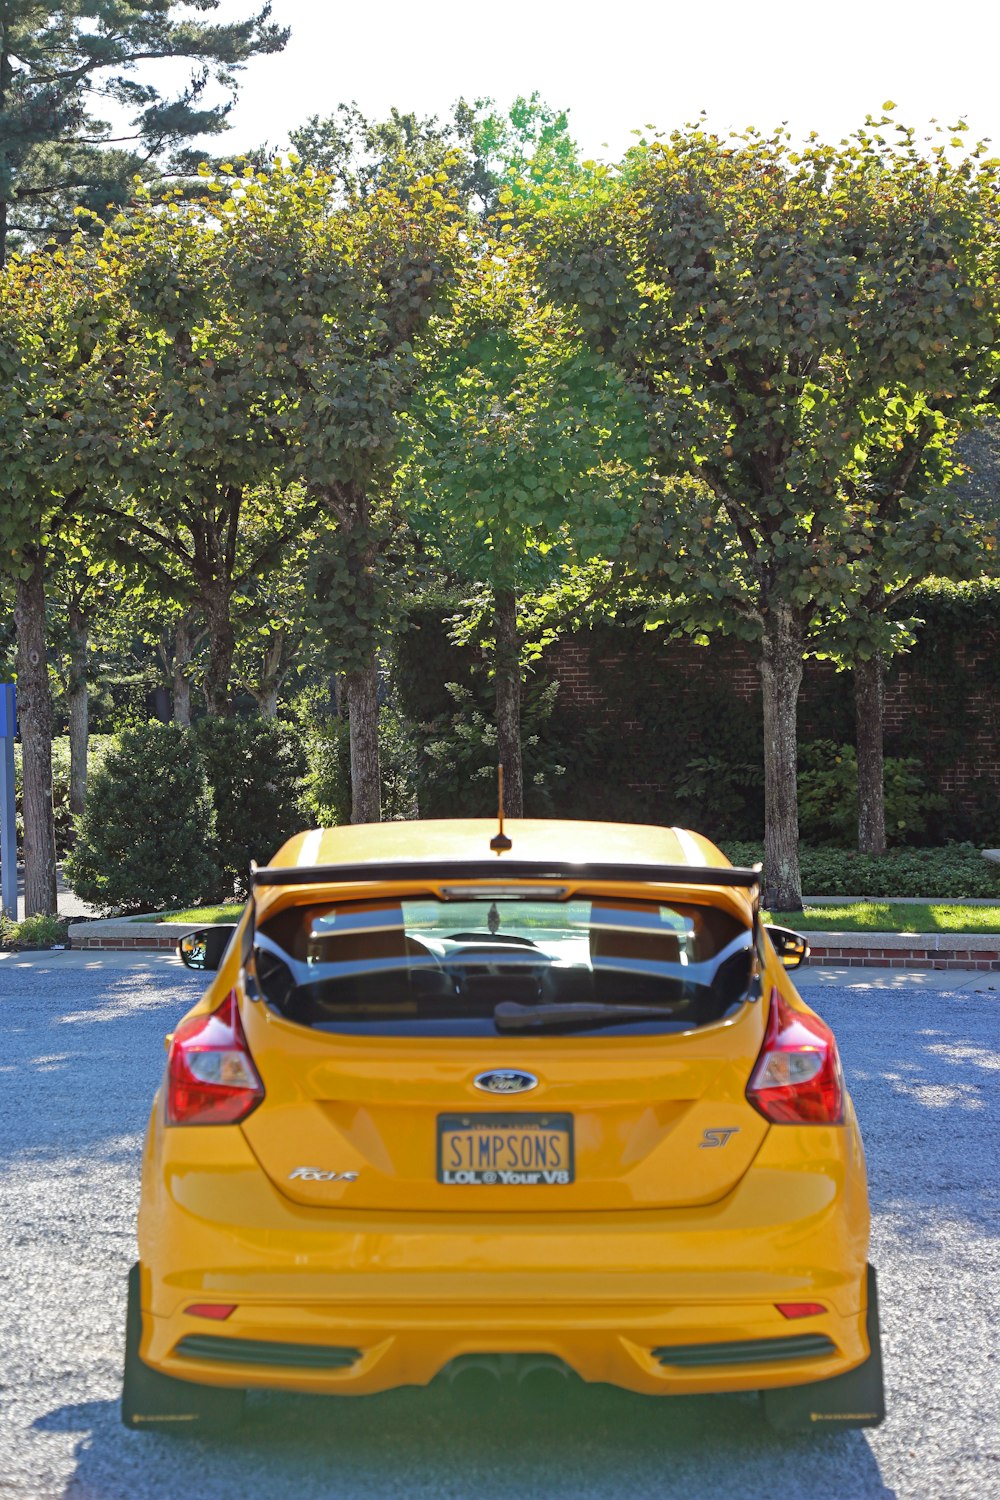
(626, 65)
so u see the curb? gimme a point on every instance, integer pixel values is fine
(117, 934)
(906, 950)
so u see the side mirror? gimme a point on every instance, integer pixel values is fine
(791, 947)
(204, 948)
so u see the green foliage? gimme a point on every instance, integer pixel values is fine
(810, 330)
(327, 788)
(457, 755)
(956, 872)
(481, 151)
(828, 796)
(97, 749)
(143, 841)
(60, 62)
(521, 450)
(33, 932)
(254, 769)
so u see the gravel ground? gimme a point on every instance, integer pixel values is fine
(80, 1054)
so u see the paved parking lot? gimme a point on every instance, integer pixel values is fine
(80, 1054)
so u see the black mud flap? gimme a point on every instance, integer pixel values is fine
(154, 1402)
(856, 1399)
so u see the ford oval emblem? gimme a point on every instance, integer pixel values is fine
(506, 1081)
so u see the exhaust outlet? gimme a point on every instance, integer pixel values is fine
(475, 1378)
(543, 1377)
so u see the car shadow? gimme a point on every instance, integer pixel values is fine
(596, 1442)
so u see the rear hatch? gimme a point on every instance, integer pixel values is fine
(530, 1048)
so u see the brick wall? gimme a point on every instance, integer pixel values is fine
(912, 690)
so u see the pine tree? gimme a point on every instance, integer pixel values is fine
(64, 66)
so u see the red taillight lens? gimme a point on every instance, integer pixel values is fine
(220, 1311)
(792, 1309)
(797, 1079)
(211, 1079)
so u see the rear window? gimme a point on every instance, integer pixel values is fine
(504, 965)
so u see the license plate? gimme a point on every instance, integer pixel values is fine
(505, 1150)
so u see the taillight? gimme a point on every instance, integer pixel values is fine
(797, 1079)
(211, 1079)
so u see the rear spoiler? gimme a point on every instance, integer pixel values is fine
(504, 870)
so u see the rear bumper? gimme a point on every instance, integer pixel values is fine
(411, 1292)
(410, 1346)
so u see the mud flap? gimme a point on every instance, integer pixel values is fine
(155, 1402)
(856, 1399)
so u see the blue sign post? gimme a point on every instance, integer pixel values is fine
(8, 825)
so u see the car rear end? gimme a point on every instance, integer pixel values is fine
(538, 1105)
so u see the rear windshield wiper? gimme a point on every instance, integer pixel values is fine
(511, 1016)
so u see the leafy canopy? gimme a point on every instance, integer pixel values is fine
(808, 330)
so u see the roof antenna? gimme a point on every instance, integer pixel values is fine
(500, 842)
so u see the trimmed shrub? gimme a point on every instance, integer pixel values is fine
(828, 796)
(254, 768)
(956, 872)
(143, 841)
(457, 754)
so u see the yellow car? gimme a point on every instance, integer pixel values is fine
(538, 1105)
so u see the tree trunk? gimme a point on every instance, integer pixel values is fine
(781, 677)
(221, 649)
(362, 711)
(34, 703)
(181, 686)
(507, 684)
(266, 692)
(869, 708)
(78, 709)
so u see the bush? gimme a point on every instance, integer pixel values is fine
(143, 841)
(327, 790)
(956, 872)
(457, 754)
(34, 932)
(828, 796)
(255, 769)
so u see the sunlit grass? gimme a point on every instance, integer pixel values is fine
(892, 916)
(196, 915)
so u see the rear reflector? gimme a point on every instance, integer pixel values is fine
(797, 1078)
(800, 1309)
(217, 1310)
(211, 1079)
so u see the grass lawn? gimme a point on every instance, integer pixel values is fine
(205, 915)
(860, 916)
(889, 916)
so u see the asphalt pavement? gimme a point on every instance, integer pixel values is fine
(81, 1050)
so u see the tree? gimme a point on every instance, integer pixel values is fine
(522, 453)
(60, 62)
(784, 315)
(79, 594)
(190, 499)
(52, 318)
(481, 150)
(925, 529)
(333, 296)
